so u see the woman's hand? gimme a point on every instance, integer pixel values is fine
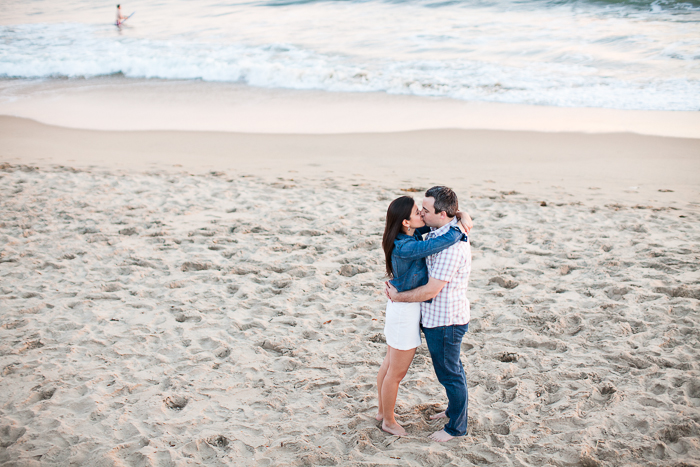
(465, 221)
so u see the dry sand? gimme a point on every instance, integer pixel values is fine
(229, 312)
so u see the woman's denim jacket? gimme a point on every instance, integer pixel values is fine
(408, 256)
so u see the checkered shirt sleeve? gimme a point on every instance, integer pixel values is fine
(444, 265)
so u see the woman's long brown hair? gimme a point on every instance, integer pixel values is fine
(399, 209)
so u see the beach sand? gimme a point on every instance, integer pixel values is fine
(193, 298)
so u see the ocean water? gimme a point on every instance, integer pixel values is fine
(632, 54)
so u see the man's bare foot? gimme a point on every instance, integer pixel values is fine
(440, 436)
(438, 415)
(379, 416)
(394, 429)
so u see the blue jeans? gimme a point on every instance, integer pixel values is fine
(444, 344)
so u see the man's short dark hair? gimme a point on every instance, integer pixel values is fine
(445, 200)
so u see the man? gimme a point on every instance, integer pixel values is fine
(444, 320)
(120, 17)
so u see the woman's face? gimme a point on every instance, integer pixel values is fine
(415, 221)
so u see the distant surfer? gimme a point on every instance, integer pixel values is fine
(120, 17)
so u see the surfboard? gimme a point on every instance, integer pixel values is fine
(119, 23)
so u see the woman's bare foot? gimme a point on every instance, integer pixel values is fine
(440, 436)
(394, 429)
(379, 416)
(438, 415)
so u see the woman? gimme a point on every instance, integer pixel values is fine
(405, 253)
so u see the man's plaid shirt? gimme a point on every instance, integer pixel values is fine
(453, 265)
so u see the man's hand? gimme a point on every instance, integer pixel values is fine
(419, 294)
(390, 291)
(465, 221)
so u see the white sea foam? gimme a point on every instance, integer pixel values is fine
(548, 56)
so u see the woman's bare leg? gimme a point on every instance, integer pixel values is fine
(380, 380)
(399, 362)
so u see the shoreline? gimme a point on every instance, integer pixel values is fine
(116, 103)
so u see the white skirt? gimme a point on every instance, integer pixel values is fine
(402, 325)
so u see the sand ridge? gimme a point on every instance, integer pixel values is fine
(595, 169)
(160, 318)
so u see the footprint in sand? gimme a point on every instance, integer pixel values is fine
(182, 317)
(195, 266)
(41, 394)
(176, 402)
(505, 283)
(508, 357)
(9, 435)
(218, 441)
(350, 270)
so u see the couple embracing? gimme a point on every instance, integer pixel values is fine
(427, 292)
